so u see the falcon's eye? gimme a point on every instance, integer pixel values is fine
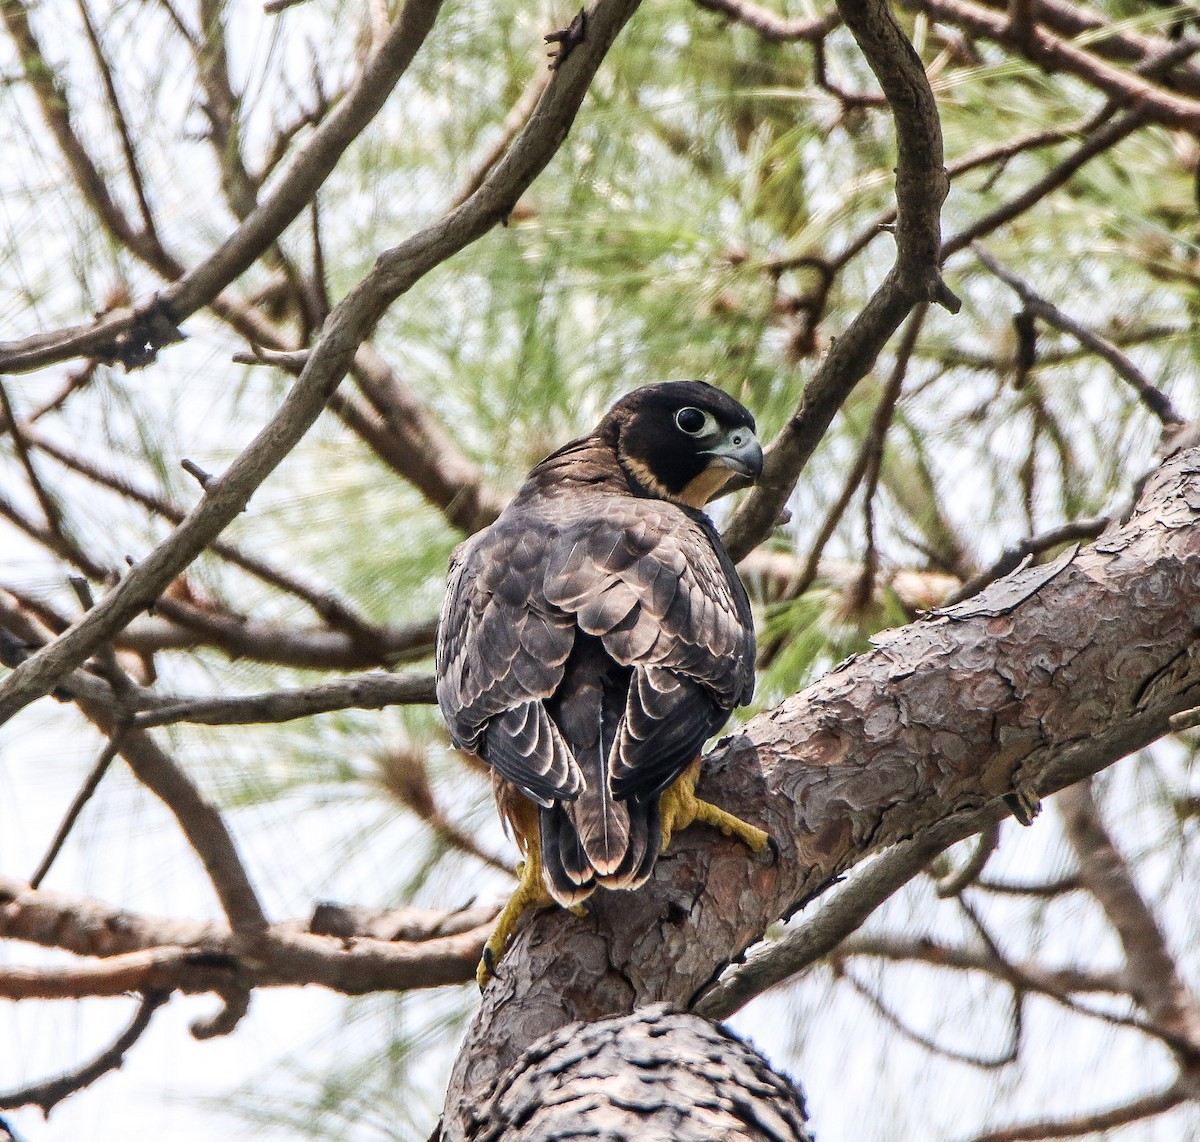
(693, 422)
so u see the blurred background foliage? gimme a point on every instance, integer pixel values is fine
(696, 223)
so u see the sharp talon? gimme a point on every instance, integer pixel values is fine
(486, 971)
(776, 851)
(1024, 805)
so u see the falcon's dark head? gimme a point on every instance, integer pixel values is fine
(683, 440)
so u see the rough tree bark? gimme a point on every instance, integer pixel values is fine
(653, 1076)
(1047, 676)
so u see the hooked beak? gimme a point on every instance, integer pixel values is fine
(739, 451)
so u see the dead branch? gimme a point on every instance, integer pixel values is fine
(1013, 557)
(121, 123)
(276, 958)
(994, 1061)
(89, 927)
(221, 108)
(190, 627)
(774, 576)
(201, 822)
(1103, 139)
(372, 691)
(182, 624)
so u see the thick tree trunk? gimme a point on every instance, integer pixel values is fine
(1047, 676)
(652, 1076)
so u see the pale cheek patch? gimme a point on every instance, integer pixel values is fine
(702, 489)
(695, 494)
(645, 477)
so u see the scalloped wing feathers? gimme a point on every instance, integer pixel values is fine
(590, 642)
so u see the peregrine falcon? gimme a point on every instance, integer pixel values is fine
(595, 636)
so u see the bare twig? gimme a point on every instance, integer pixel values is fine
(314, 648)
(841, 914)
(772, 576)
(235, 1004)
(882, 222)
(316, 283)
(56, 110)
(428, 457)
(869, 453)
(1092, 145)
(181, 626)
(1044, 889)
(1052, 981)
(1120, 42)
(1098, 1122)
(117, 112)
(412, 924)
(405, 435)
(90, 785)
(1152, 397)
(221, 107)
(47, 1095)
(51, 512)
(106, 664)
(333, 610)
(873, 448)
(514, 121)
(56, 541)
(1013, 557)
(195, 471)
(985, 1062)
(770, 25)
(200, 821)
(850, 100)
(78, 378)
(89, 927)
(953, 882)
(179, 24)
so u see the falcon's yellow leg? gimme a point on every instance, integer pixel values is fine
(679, 807)
(531, 893)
